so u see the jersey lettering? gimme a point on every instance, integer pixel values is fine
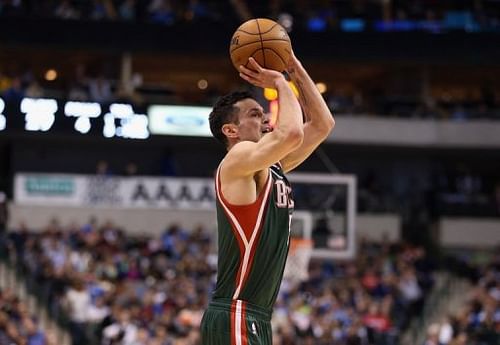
(283, 195)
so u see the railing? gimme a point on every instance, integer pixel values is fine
(440, 301)
(13, 277)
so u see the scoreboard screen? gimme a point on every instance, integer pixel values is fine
(110, 120)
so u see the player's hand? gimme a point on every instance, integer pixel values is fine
(259, 76)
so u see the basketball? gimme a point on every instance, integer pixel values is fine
(264, 40)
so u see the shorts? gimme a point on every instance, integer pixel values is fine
(236, 322)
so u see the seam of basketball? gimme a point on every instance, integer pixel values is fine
(248, 33)
(251, 54)
(253, 33)
(268, 40)
(261, 44)
(272, 27)
(278, 55)
(246, 63)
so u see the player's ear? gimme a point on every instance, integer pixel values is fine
(230, 130)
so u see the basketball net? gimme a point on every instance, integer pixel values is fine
(296, 269)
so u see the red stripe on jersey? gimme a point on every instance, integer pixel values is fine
(241, 217)
(232, 315)
(253, 249)
(244, 339)
(245, 214)
(252, 245)
(234, 226)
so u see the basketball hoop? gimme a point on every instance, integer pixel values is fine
(296, 269)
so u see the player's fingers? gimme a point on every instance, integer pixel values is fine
(248, 71)
(251, 80)
(255, 64)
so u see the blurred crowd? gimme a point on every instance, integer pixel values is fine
(154, 11)
(82, 85)
(477, 320)
(101, 84)
(439, 106)
(108, 288)
(118, 289)
(17, 326)
(318, 15)
(369, 300)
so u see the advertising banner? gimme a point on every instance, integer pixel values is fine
(110, 191)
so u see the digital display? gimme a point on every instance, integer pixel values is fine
(54, 116)
(39, 113)
(3, 120)
(179, 120)
(108, 120)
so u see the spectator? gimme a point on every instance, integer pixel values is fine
(432, 335)
(4, 214)
(79, 88)
(445, 331)
(65, 10)
(161, 12)
(131, 169)
(78, 304)
(127, 10)
(100, 90)
(102, 168)
(103, 9)
(139, 290)
(14, 93)
(34, 90)
(16, 325)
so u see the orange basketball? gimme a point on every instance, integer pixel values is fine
(264, 40)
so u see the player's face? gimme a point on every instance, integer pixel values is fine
(253, 122)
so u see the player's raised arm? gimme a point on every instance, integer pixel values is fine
(249, 156)
(319, 121)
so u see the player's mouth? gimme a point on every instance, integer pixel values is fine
(267, 129)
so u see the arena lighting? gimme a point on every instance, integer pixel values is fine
(51, 75)
(294, 88)
(40, 113)
(321, 87)
(3, 119)
(272, 94)
(202, 84)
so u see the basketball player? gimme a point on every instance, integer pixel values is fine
(254, 201)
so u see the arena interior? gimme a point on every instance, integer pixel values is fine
(107, 225)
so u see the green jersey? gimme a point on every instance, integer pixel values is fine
(253, 242)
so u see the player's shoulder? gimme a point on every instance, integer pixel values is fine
(241, 146)
(238, 152)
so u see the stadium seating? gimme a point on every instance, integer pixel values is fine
(101, 283)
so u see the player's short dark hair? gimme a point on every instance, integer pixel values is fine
(225, 111)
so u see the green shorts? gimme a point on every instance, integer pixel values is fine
(236, 322)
